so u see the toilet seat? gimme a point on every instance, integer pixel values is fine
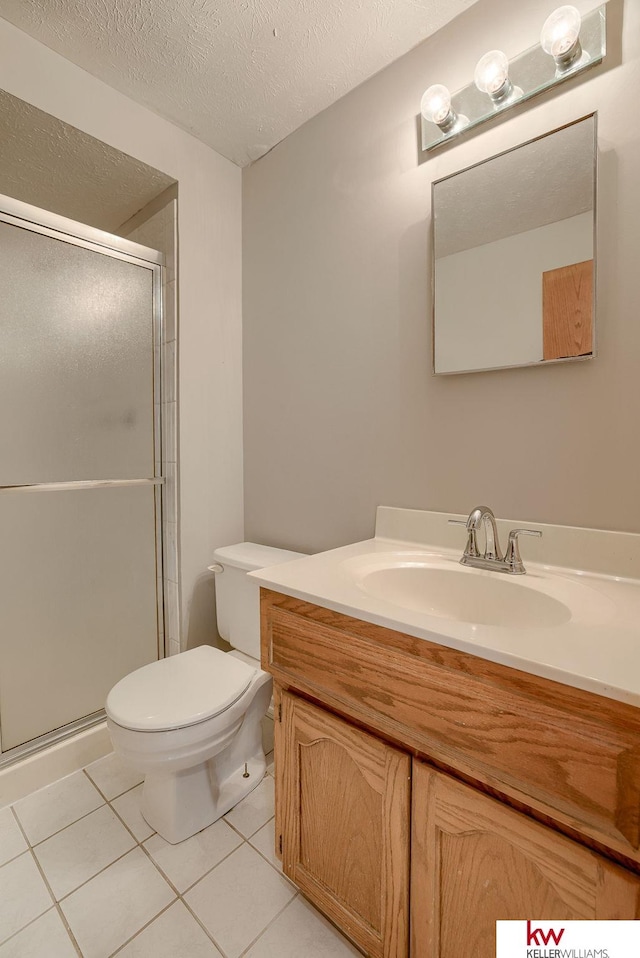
(179, 691)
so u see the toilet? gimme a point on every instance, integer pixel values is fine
(192, 722)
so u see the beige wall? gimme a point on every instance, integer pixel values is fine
(209, 225)
(341, 410)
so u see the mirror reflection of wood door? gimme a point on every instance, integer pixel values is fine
(567, 311)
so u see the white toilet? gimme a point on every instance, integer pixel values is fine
(192, 722)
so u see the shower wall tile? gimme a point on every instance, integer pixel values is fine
(169, 366)
(170, 312)
(169, 445)
(157, 380)
(172, 628)
(171, 541)
(160, 232)
(170, 502)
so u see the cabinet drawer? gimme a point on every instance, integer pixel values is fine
(565, 752)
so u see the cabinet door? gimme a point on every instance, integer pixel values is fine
(343, 813)
(475, 860)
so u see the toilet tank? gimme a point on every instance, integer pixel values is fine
(238, 596)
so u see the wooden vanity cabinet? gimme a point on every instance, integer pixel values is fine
(343, 814)
(512, 797)
(475, 861)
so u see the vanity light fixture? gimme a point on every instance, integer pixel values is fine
(568, 45)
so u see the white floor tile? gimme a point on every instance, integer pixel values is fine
(174, 934)
(46, 936)
(255, 810)
(113, 776)
(128, 808)
(264, 841)
(56, 806)
(270, 764)
(23, 895)
(12, 842)
(185, 863)
(301, 930)
(117, 903)
(81, 850)
(238, 899)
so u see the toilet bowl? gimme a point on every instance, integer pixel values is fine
(192, 723)
(199, 760)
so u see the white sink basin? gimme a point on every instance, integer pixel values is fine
(438, 586)
(460, 595)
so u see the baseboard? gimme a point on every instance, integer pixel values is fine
(53, 763)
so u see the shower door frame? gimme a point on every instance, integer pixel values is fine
(25, 216)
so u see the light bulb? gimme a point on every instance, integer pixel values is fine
(492, 75)
(560, 35)
(435, 105)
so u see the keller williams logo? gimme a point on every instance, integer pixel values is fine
(545, 937)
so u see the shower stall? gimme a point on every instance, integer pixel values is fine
(80, 472)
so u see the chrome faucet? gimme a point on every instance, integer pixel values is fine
(482, 517)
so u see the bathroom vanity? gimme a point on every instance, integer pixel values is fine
(424, 790)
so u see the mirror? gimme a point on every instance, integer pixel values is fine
(514, 255)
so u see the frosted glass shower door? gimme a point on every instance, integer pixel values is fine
(79, 603)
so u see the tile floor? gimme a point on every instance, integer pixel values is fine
(81, 873)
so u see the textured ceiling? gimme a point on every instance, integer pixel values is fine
(238, 74)
(50, 164)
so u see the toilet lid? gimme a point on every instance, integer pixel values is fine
(178, 691)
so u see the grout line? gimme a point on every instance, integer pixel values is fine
(204, 874)
(268, 860)
(267, 926)
(86, 882)
(68, 928)
(4, 941)
(204, 928)
(43, 876)
(113, 798)
(181, 895)
(78, 819)
(24, 835)
(115, 811)
(162, 874)
(56, 903)
(19, 823)
(10, 860)
(144, 927)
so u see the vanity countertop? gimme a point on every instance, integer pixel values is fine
(593, 645)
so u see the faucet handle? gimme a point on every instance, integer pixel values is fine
(513, 558)
(471, 548)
